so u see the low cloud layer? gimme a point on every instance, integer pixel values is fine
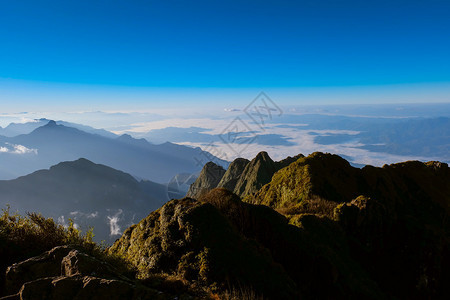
(88, 215)
(17, 149)
(114, 223)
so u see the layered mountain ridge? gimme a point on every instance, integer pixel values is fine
(336, 231)
(306, 227)
(243, 177)
(53, 142)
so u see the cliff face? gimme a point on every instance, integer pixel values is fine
(233, 174)
(208, 179)
(243, 177)
(257, 173)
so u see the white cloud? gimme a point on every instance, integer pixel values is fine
(303, 143)
(62, 221)
(92, 215)
(17, 149)
(114, 223)
(86, 215)
(139, 129)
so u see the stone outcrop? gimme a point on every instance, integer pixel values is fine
(208, 179)
(194, 240)
(65, 272)
(233, 173)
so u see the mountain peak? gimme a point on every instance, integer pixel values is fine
(51, 123)
(208, 179)
(264, 156)
(125, 136)
(234, 172)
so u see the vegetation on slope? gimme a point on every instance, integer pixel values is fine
(395, 218)
(319, 229)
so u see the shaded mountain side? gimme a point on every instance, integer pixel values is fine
(233, 173)
(243, 177)
(330, 177)
(257, 172)
(208, 179)
(53, 143)
(221, 241)
(91, 194)
(395, 218)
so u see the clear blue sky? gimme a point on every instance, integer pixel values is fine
(221, 44)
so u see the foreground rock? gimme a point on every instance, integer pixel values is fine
(220, 241)
(195, 241)
(67, 273)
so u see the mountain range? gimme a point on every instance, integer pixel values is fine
(316, 229)
(52, 143)
(243, 177)
(309, 227)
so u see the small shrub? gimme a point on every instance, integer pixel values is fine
(22, 237)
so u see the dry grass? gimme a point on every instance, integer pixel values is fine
(316, 206)
(242, 293)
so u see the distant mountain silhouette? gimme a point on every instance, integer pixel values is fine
(53, 143)
(89, 193)
(15, 129)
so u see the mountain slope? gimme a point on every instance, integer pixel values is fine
(395, 218)
(331, 177)
(222, 241)
(208, 179)
(233, 173)
(327, 231)
(90, 194)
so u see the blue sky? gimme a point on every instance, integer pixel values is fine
(146, 52)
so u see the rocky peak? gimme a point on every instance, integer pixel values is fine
(208, 179)
(257, 173)
(243, 177)
(233, 173)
